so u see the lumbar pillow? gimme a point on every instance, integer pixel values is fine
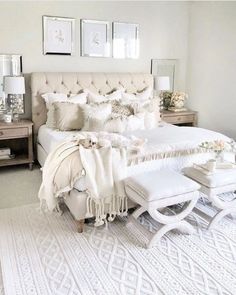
(68, 116)
(95, 116)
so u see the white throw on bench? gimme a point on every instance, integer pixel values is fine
(221, 181)
(158, 189)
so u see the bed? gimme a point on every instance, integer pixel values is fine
(177, 144)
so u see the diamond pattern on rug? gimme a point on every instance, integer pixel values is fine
(45, 255)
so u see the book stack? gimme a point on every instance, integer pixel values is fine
(5, 153)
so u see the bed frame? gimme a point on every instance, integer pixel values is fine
(101, 83)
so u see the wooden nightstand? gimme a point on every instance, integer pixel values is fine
(18, 137)
(186, 118)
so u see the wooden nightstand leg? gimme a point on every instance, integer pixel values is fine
(30, 166)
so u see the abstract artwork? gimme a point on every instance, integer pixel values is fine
(95, 38)
(58, 35)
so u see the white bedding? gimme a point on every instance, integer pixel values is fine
(166, 138)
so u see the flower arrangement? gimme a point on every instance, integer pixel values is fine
(178, 99)
(219, 146)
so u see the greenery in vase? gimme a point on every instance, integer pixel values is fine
(166, 98)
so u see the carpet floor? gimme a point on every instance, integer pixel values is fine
(19, 186)
(43, 254)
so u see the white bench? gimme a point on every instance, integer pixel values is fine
(158, 189)
(222, 181)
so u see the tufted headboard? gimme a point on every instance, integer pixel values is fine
(67, 83)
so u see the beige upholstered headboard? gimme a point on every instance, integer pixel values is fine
(101, 83)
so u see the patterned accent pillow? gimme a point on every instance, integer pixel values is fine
(124, 110)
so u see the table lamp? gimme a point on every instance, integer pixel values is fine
(14, 88)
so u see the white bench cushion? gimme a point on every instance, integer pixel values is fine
(157, 185)
(221, 177)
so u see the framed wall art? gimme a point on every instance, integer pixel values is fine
(166, 68)
(125, 40)
(95, 38)
(58, 35)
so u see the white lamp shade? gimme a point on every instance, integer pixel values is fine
(14, 85)
(162, 83)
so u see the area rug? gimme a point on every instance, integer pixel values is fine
(43, 254)
(1, 282)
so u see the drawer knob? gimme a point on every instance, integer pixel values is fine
(1, 133)
(179, 118)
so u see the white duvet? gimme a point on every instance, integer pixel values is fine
(160, 141)
(167, 138)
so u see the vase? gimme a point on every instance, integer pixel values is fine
(179, 104)
(219, 156)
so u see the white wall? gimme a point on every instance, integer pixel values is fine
(211, 74)
(163, 34)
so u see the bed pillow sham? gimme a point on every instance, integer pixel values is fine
(143, 95)
(68, 116)
(97, 98)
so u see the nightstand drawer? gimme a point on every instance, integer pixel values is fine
(13, 133)
(180, 119)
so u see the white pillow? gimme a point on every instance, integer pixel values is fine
(97, 98)
(135, 122)
(50, 98)
(115, 124)
(78, 98)
(95, 116)
(144, 95)
(150, 120)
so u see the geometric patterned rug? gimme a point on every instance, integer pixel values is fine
(43, 254)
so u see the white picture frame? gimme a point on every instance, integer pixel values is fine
(95, 38)
(125, 40)
(58, 35)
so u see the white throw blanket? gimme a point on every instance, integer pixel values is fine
(103, 168)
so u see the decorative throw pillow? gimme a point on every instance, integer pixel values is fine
(68, 116)
(118, 108)
(50, 98)
(116, 124)
(95, 116)
(135, 122)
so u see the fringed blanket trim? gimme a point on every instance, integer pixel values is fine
(117, 205)
(163, 155)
